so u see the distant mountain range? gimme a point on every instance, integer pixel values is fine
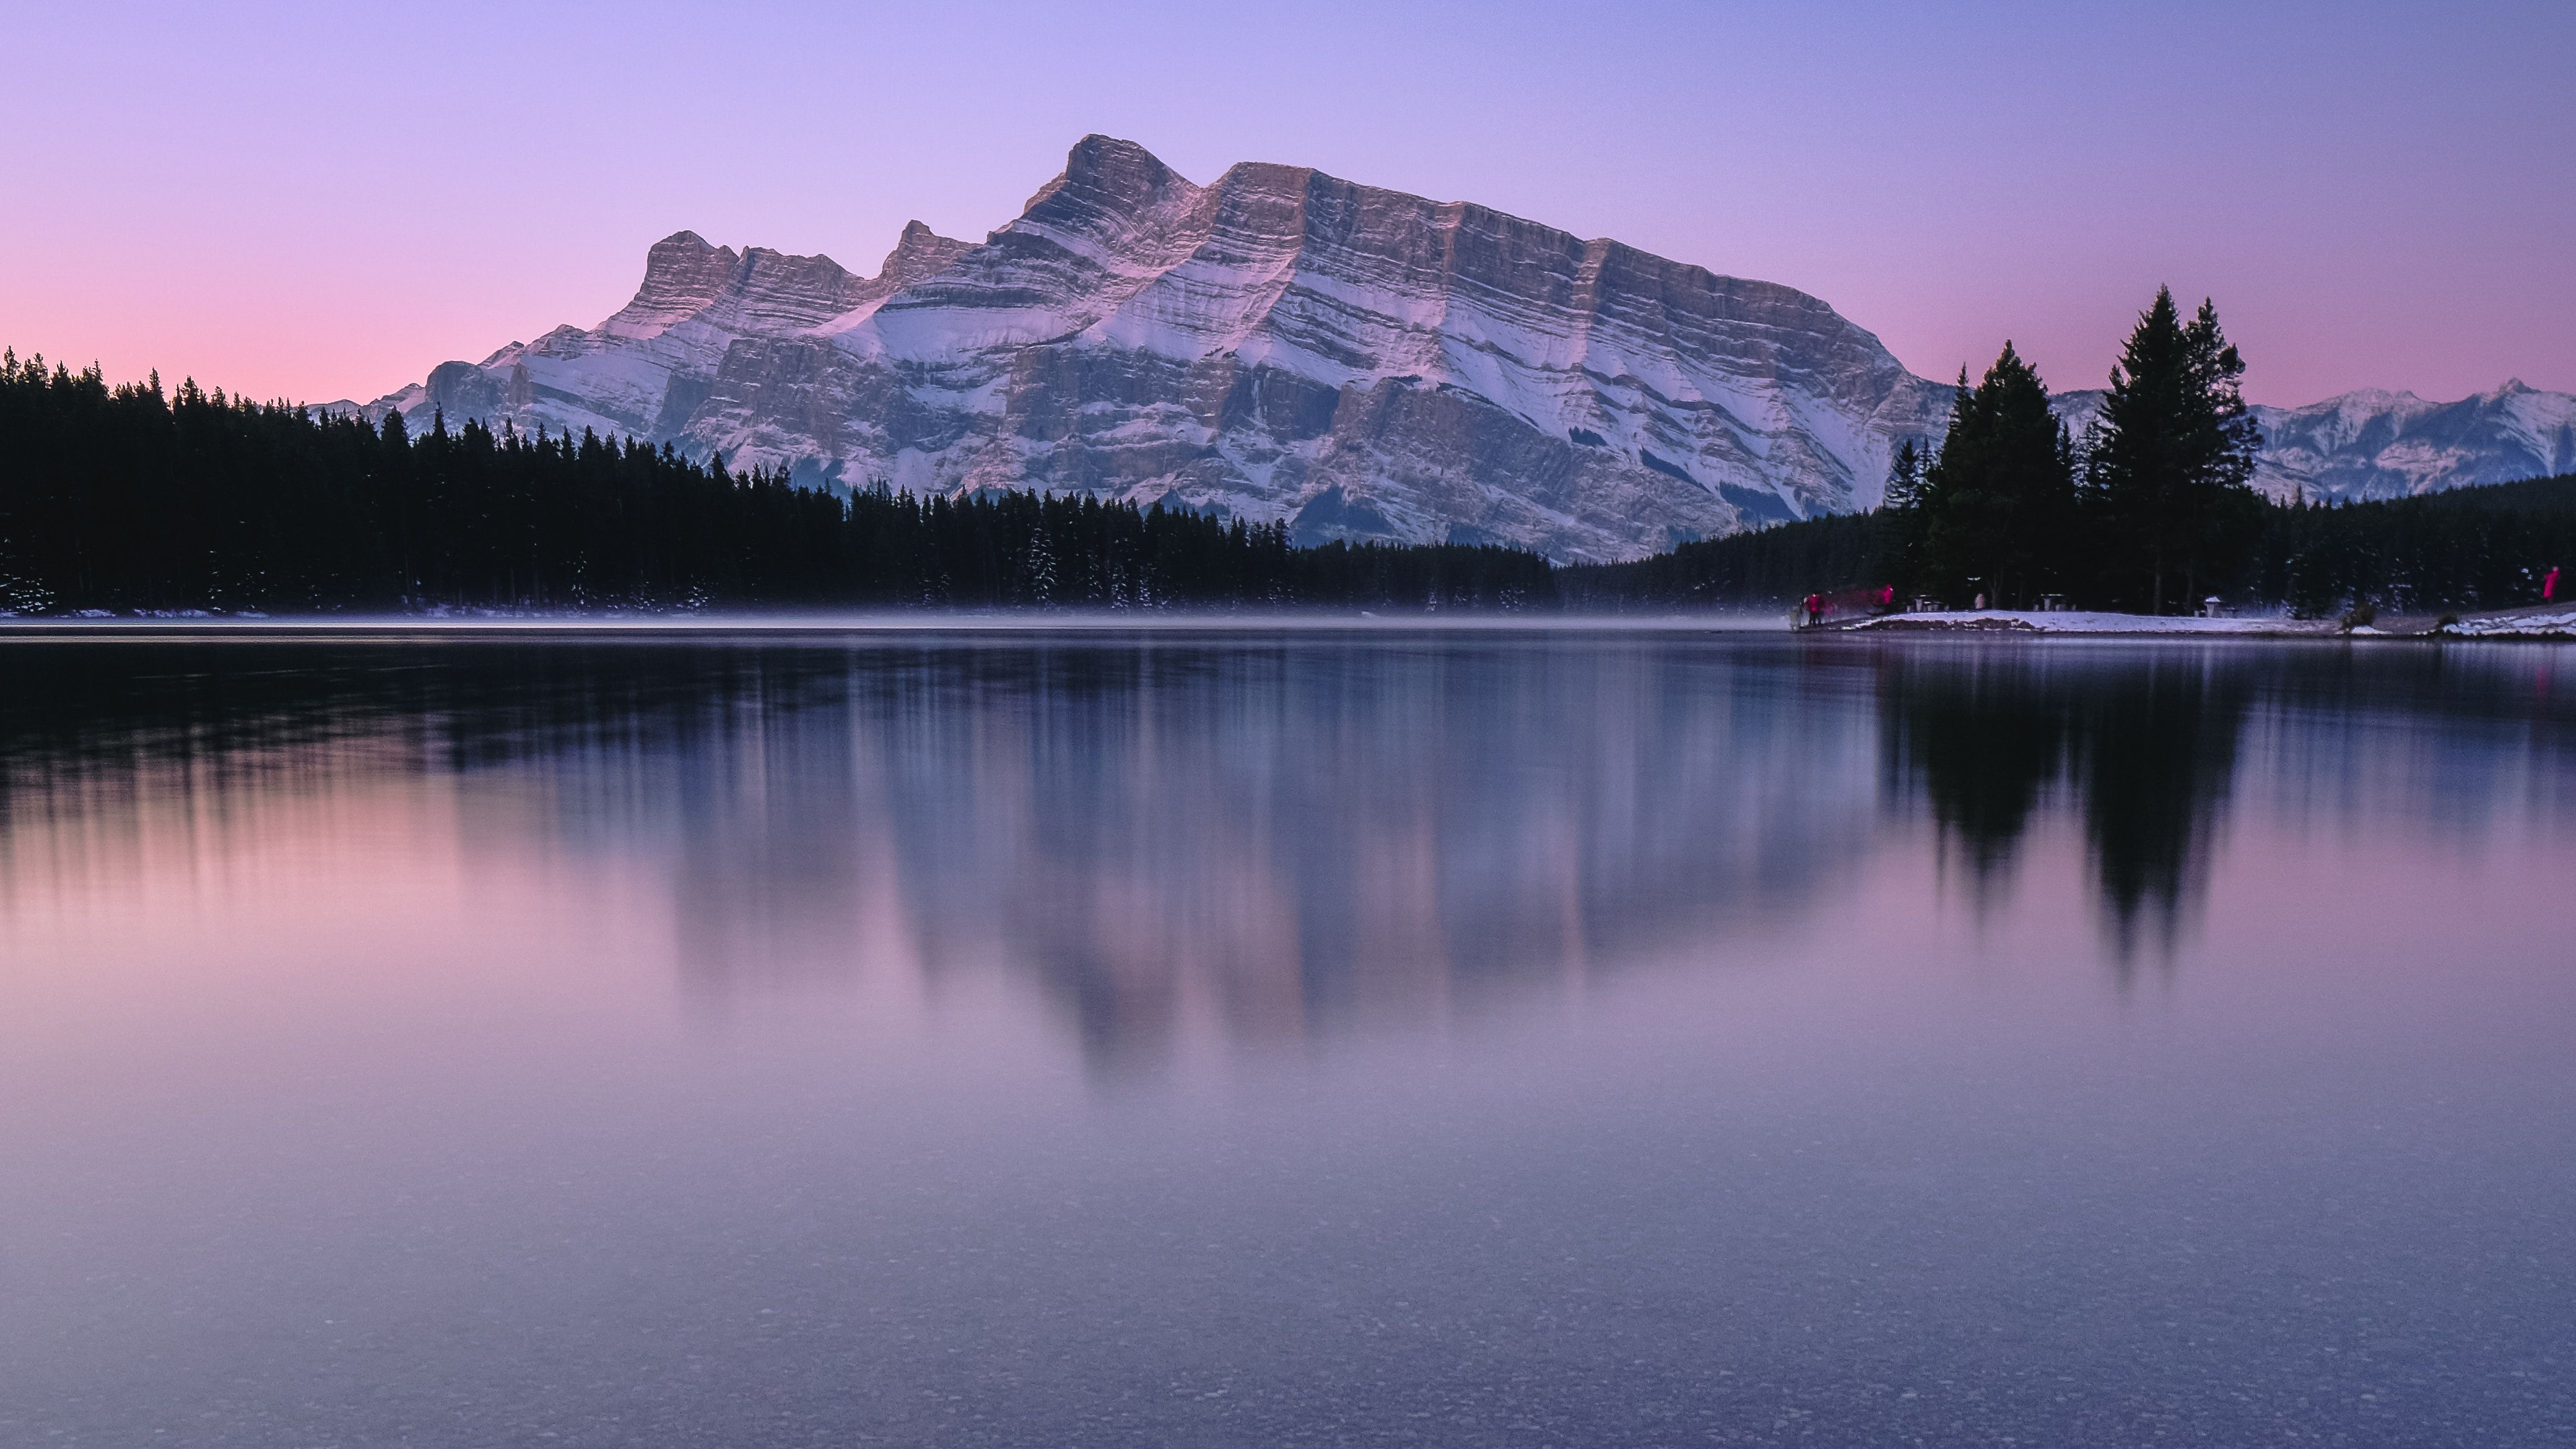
(1283, 345)
(2378, 444)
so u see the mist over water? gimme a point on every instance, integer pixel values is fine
(1548, 1037)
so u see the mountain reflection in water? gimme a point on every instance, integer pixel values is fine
(1616, 1038)
(1292, 834)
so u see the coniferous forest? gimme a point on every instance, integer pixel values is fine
(2470, 548)
(130, 498)
(2148, 511)
(124, 498)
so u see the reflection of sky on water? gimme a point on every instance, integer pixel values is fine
(1291, 832)
(1587, 1039)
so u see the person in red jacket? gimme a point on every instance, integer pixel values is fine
(1815, 610)
(2549, 586)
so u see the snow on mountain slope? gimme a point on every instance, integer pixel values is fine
(644, 370)
(2378, 444)
(1275, 345)
(2387, 445)
(1279, 344)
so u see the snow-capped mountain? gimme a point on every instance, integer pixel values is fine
(1278, 344)
(1283, 345)
(2387, 445)
(2378, 444)
(644, 371)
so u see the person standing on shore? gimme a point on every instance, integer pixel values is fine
(2549, 586)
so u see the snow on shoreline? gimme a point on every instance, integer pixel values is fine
(2540, 624)
(2557, 623)
(2012, 621)
(2547, 624)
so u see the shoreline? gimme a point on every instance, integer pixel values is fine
(2536, 621)
(2542, 623)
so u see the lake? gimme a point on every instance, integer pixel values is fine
(1285, 1037)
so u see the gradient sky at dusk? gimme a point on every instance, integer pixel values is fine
(322, 202)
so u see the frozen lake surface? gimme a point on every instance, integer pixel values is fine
(1472, 1038)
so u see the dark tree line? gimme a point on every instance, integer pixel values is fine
(2150, 511)
(2145, 510)
(1765, 568)
(2142, 512)
(2468, 548)
(125, 498)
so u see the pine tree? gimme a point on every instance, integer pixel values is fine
(1901, 518)
(1905, 474)
(127, 498)
(1997, 506)
(2167, 472)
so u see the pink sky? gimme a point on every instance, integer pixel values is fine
(317, 204)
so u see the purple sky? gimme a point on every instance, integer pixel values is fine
(324, 201)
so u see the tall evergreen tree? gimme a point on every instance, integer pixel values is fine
(1900, 535)
(2166, 474)
(1905, 474)
(1997, 506)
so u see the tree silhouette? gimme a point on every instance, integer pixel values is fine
(122, 499)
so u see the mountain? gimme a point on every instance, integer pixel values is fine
(1278, 344)
(646, 369)
(2376, 444)
(2392, 444)
(1283, 345)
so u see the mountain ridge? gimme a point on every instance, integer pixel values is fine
(1281, 345)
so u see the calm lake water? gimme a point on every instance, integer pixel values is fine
(1297, 1038)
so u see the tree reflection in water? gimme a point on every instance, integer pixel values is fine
(2144, 742)
(2158, 761)
(1288, 835)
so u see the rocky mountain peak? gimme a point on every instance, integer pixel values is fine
(918, 253)
(1281, 345)
(1115, 167)
(1111, 190)
(682, 276)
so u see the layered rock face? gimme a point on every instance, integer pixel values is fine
(644, 371)
(1278, 345)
